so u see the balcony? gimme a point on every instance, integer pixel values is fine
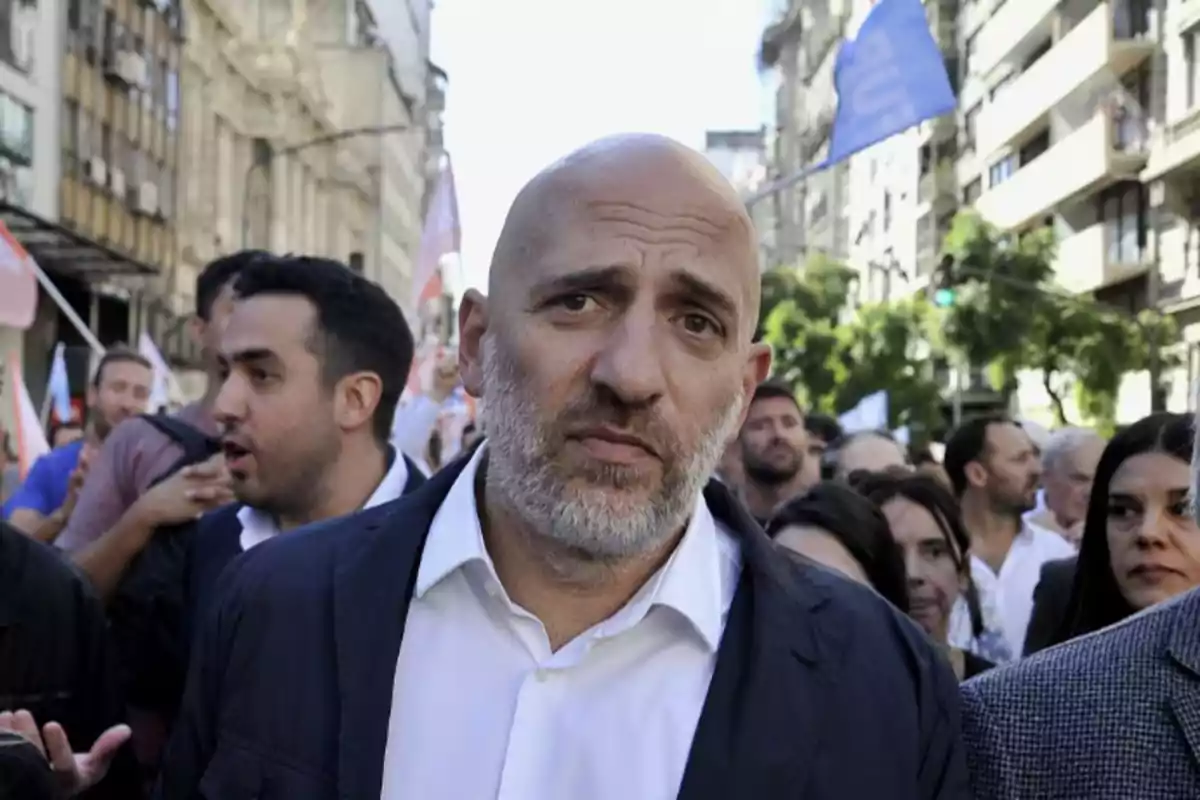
(1093, 47)
(1012, 26)
(1097, 154)
(1177, 148)
(1099, 256)
(939, 183)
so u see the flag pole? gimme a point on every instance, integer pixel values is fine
(65, 307)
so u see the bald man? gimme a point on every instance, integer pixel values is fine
(575, 611)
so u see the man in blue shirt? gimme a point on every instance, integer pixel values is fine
(119, 390)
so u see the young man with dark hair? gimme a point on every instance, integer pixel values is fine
(313, 361)
(120, 389)
(774, 445)
(994, 470)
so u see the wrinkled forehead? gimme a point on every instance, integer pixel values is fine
(655, 237)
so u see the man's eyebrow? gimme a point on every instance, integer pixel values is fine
(591, 279)
(705, 292)
(250, 354)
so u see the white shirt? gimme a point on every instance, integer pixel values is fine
(482, 709)
(1006, 598)
(258, 525)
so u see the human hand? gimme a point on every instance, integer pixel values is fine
(74, 772)
(188, 494)
(445, 377)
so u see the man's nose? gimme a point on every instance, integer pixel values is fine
(630, 363)
(229, 405)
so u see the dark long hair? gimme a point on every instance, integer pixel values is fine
(929, 493)
(1096, 599)
(859, 526)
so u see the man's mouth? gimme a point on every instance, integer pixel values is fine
(235, 453)
(614, 445)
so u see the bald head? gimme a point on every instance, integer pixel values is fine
(635, 186)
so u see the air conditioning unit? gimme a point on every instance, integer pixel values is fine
(148, 198)
(116, 182)
(96, 171)
(133, 69)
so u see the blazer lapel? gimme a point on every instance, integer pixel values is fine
(416, 478)
(1183, 648)
(759, 729)
(373, 583)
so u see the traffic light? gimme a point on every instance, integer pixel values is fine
(945, 286)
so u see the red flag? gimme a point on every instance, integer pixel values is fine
(18, 285)
(439, 238)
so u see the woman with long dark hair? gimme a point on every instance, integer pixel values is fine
(838, 528)
(924, 519)
(1141, 543)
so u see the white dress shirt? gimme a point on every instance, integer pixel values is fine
(258, 525)
(1007, 598)
(482, 709)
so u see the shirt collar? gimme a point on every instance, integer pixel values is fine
(259, 526)
(692, 582)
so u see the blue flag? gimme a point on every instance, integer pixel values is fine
(889, 77)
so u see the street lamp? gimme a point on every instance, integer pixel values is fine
(263, 154)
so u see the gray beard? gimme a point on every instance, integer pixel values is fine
(610, 519)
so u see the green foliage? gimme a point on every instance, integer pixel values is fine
(834, 360)
(1009, 315)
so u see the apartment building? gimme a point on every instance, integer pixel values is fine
(741, 157)
(301, 135)
(97, 92)
(801, 45)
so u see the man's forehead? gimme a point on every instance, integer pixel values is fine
(263, 318)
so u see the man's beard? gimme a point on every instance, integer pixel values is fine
(608, 519)
(765, 474)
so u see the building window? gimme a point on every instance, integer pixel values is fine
(18, 29)
(971, 126)
(968, 54)
(887, 211)
(1001, 171)
(1191, 73)
(1123, 209)
(172, 99)
(16, 130)
(972, 191)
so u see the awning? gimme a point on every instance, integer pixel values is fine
(61, 250)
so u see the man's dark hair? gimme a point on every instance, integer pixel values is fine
(824, 427)
(968, 443)
(775, 388)
(118, 355)
(359, 328)
(218, 274)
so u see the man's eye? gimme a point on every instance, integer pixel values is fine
(698, 324)
(575, 302)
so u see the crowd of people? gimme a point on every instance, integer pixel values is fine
(647, 573)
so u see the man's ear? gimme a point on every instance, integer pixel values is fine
(472, 325)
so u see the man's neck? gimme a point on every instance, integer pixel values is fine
(992, 532)
(762, 499)
(567, 593)
(346, 486)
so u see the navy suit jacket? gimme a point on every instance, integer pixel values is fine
(821, 689)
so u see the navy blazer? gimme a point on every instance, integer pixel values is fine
(1111, 715)
(821, 689)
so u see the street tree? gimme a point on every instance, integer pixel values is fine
(1006, 313)
(834, 357)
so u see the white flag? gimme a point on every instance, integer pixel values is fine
(31, 443)
(160, 394)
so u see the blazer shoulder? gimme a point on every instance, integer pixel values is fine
(876, 623)
(1103, 661)
(297, 559)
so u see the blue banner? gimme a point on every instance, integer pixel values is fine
(890, 77)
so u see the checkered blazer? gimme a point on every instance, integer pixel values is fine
(1114, 715)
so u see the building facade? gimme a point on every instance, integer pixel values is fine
(299, 137)
(741, 156)
(1074, 114)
